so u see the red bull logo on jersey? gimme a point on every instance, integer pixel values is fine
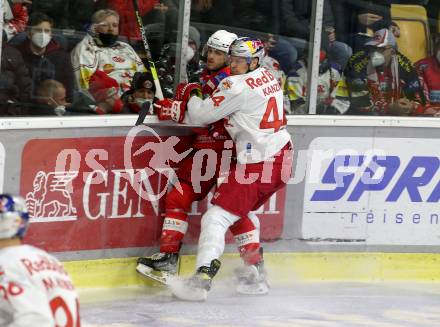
(264, 78)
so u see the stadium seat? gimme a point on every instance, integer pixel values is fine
(414, 31)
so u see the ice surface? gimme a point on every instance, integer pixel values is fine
(325, 304)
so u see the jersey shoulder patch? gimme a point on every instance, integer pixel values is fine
(230, 84)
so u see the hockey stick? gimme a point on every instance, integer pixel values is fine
(144, 110)
(147, 51)
(143, 113)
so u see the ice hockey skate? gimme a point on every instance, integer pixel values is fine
(160, 267)
(251, 280)
(196, 287)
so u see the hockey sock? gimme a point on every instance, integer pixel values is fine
(246, 233)
(175, 223)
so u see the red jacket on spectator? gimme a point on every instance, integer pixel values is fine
(18, 23)
(128, 25)
(429, 73)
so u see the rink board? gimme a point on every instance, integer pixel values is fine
(283, 268)
(365, 190)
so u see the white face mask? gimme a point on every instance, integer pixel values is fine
(140, 101)
(189, 53)
(41, 39)
(377, 59)
(438, 56)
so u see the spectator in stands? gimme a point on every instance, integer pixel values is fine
(15, 17)
(359, 19)
(100, 51)
(104, 90)
(166, 63)
(50, 99)
(142, 90)
(295, 17)
(429, 75)
(44, 56)
(382, 81)
(15, 83)
(332, 91)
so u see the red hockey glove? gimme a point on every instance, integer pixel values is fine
(185, 90)
(163, 108)
(170, 110)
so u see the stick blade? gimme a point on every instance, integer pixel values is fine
(143, 113)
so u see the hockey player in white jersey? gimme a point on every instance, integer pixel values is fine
(35, 290)
(251, 101)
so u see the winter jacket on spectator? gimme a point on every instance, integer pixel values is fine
(54, 64)
(332, 90)
(16, 19)
(429, 73)
(15, 83)
(373, 92)
(119, 61)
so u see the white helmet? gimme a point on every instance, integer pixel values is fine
(14, 218)
(221, 40)
(248, 48)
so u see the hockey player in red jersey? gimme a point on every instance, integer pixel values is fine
(35, 290)
(428, 70)
(177, 205)
(252, 100)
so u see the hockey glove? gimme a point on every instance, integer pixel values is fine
(163, 109)
(170, 110)
(184, 91)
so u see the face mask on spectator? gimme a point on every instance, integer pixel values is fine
(41, 39)
(189, 53)
(107, 39)
(137, 104)
(377, 59)
(141, 101)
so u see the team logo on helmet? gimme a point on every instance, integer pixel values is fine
(254, 45)
(147, 84)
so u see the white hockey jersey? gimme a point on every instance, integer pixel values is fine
(252, 105)
(35, 290)
(119, 62)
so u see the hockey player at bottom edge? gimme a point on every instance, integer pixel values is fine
(160, 266)
(35, 289)
(251, 100)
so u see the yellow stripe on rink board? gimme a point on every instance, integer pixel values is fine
(105, 273)
(282, 268)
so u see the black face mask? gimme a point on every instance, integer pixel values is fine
(107, 39)
(324, 66)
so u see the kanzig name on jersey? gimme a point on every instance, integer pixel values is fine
(272, 89)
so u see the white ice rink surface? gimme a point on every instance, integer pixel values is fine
(298, 305)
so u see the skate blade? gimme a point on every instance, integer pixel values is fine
(158, 276)
(183, 291)
(253, 289)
